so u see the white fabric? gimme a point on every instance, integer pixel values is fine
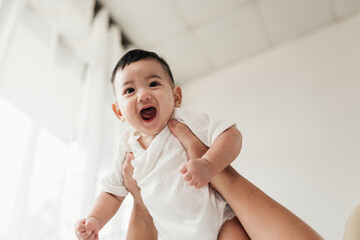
(179, 211)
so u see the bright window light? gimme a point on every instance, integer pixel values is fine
(46, 187)
(15, 129)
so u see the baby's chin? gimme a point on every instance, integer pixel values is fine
(153, 131)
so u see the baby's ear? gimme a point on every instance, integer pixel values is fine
(177, 96)
(116, 109)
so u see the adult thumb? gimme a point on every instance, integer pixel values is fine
(129, 157)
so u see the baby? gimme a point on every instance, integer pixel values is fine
(182, 204)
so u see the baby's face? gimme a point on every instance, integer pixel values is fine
(145, 96)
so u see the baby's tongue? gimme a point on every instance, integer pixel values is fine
(148, 113)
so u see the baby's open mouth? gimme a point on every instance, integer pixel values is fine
(148, 113)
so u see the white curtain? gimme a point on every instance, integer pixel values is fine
(91, 117)
(9, 15)
(55, 64)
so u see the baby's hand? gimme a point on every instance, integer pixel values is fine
(87, 228)
(197, 172)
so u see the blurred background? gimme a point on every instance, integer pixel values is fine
(287, 71)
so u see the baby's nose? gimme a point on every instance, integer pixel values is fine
(144, 96)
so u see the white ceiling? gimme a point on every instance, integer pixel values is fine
(200, 36)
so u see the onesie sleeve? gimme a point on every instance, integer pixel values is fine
(206, 128)
(113, 182)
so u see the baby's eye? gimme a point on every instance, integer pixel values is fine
(154, 84)
(129, 90)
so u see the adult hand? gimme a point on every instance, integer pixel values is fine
(129, 182)
(193, 146)
(141, 224)
(197, 171)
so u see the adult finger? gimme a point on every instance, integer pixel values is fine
(182, 132)
(194, 147)
(127, 168)
(129, 157)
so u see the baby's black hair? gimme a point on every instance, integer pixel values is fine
(136, 55)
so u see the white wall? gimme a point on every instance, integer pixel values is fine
(298, 107)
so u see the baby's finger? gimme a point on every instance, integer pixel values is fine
(92, 237)
(183, 169)
(89, 227)
(80, 226)
(187, 177)
(192, 182)
(188, 180)
(83, 235)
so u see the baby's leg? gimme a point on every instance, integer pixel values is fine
(232, 230)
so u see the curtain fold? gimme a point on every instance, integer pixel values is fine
(10, 13)
(91, 118)
(54, 179)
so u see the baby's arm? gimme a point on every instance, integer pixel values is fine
(104, 209)
(224, 150)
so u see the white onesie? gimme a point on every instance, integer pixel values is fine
(179, 211)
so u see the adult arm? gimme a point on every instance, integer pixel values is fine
(141, 224)
(261, 216)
